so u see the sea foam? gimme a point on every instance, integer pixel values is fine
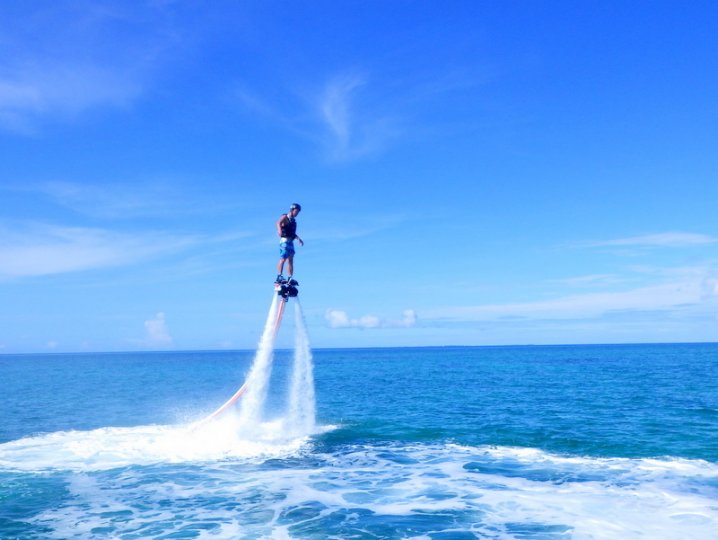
(393, 490)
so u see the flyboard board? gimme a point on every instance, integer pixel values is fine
(285, 289)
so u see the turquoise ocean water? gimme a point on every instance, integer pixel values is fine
(584, 442)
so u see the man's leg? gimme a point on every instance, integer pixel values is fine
(280, 266)
(290, 265)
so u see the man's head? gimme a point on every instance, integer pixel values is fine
(294, 209)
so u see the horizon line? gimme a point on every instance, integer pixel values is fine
(385, 347)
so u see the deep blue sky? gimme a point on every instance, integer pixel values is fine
(471, 172)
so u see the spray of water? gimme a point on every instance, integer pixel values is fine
(299, 419)
(252, 403)
(301, 414)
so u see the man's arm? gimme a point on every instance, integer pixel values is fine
(281, 221)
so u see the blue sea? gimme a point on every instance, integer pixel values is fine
(530, 443)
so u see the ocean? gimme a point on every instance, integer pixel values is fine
(531, 443)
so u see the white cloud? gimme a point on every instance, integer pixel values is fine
(359, 227)
(157, 333)
(673, 295)
(340, 319)
(335, 106)
(710, 288)
(64, 60)
(62, 91)
(667, 239)
(353, 132)
(128, 199)
(46, 249)
(124, 200)
(337, 318)
(336, 115)
(65, 90)
(592, 280)
(409, 319)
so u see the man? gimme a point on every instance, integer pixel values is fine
(287, 231)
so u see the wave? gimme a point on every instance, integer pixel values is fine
(271, 486)
(113, 447)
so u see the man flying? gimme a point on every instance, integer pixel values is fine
(287, 231)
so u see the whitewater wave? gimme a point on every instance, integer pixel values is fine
(112, 447)
(272, 486)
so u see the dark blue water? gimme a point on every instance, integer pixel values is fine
(505, 442)
(632, 401)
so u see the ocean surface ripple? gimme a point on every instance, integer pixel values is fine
(539, 443)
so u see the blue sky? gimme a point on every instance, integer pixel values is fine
(471, 173)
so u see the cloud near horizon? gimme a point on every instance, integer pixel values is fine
(157, 332)
(667, 239)
(340, 319)
(695, 290)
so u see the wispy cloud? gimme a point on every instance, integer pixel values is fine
(335, 106)
(340, 319)
(350, 114)
(694, 290)
(592, 280)
(253, 102)
(40, 249)
(352, 131)
(336, 228)
(338, 115)
(667, 239)
(158, 197)
(66, 59)
(112, 200)
(68, 90)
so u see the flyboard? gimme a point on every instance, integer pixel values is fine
(285, 289)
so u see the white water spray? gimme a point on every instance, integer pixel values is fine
(301, 415)
(299, 418)
(252, 404)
